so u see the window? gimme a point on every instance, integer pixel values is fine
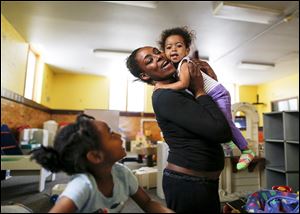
(289, 104)
(126, 94)
(135, 95)
(240, 122)
(231, 89)
(34, 77)
(117, 93)
(30, 75)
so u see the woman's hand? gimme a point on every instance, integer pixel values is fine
(159, 85)
(196, 80)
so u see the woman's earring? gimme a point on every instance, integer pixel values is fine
(142, 75)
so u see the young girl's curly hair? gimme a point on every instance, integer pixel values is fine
(71, 145)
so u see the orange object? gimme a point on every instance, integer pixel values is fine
(282, 188)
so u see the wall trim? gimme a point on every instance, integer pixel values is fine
(65, 111)
(136, 114)
(12, 96)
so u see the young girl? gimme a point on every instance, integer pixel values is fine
(176, 44)
(88, 150)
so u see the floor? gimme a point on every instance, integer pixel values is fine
(24, 190)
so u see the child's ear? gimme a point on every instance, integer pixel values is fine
(187, 51)
(95, 157)
(144, 76)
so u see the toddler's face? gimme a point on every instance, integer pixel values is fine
(175, 48)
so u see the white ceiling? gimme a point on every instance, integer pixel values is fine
(67, 33)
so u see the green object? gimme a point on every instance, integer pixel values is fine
(241, 166)
(10, 159)
(231, 145)
(30, 146)
(244, 164)
(26, 146)
(32, 141)
(249, 151)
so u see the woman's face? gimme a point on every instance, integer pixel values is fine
(155, 64)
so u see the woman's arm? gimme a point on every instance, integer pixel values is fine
(182, 83)
(147, 204)
(200, 116)
(64, 205)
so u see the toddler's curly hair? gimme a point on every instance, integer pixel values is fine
(187, 35)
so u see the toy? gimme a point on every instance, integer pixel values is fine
(272, 201)
(282, 188)
(53, 198)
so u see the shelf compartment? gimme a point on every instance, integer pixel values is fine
(280, 169)
(274, 140)
(291, 126)
(273, 126)
(274, 154)
(292, 142)
(291, 157)
(275, 178)
(292, 180)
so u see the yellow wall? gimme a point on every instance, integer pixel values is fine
(78, 92)
(284, 88)
(247, 93)
(14, 51)
(276, 90)
(59, 91)
(47, 87)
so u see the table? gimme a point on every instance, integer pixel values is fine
(149, 152)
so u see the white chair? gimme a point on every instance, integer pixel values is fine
(22, 165)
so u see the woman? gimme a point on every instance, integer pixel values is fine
(193, 127)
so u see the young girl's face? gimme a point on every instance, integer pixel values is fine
(175, 48)
(111, 142)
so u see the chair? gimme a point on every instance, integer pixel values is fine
(21, 164)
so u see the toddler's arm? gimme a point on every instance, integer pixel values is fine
(182, 83)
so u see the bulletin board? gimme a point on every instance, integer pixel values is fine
(111, 117)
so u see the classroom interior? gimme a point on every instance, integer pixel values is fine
(60, 59)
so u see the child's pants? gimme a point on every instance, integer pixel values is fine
(222, 97)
